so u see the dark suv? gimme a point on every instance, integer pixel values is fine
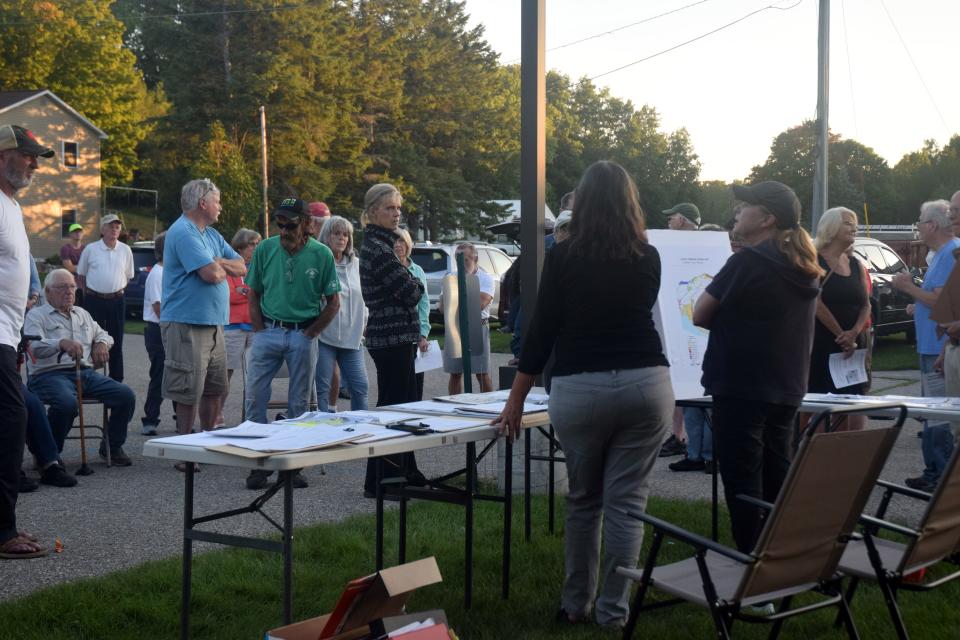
(888, 306)
(143, 261)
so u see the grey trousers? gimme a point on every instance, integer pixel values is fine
(611, 425)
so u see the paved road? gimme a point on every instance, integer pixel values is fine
(118, 518)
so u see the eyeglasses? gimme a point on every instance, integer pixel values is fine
(290, 226)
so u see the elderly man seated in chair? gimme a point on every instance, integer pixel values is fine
(70, 335)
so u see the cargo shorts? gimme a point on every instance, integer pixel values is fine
(195, 363)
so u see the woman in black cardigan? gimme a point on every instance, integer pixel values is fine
(391, 293)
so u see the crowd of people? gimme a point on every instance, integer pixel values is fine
(306, 299)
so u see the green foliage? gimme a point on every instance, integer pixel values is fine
(927, 174)
(222, 161)
(76, 50)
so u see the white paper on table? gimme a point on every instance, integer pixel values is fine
(249, 429)
(442, 424)
(374, 416)
(475, 398)
(496, 408)
(848, 371)
(430, 359)
(317, 418)
(202, 439)
(298, 439)
(426, 406)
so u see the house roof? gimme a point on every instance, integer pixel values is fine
(11, 99)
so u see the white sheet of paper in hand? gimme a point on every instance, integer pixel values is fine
(848, 371)
(430, 359)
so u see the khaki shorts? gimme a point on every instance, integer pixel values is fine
(195, 364)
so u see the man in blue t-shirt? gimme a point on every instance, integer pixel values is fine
(934, 229)
(195, 306)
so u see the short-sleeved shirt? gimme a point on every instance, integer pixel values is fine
(71, 253)
(488, 286)
(940, 265)
(152, 292)
(106, 270)
(14, 270)
(187, 297)
(292, 287)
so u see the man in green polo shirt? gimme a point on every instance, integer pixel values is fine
(293, 296)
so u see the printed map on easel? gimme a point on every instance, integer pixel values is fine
(688, 262)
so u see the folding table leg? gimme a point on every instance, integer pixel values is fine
(402, 543)
(468, 538)
(287, 477)
(550, 489)
(526, 484)
(187, 552)
(379, 510)
(507, 515)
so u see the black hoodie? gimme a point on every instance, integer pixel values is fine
(762, 332)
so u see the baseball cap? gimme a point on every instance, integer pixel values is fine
(292, 208)
(75, 227)
(687, 209)
(110, 217)
(319, 210)
(776, 197)
(563, 220)
(16, 137)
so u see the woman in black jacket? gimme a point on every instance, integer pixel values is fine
(391, 294)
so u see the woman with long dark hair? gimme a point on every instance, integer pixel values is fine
(759, 309)
(611, 401)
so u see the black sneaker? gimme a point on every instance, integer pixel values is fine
(920, 484)
(56, 475)
(299, 482)
(258, 479)
(709, 466)
(673, 447)
(687, 465)
(27, 484)
(118, 458)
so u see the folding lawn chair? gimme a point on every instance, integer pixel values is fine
(935, 539)
(799, 547)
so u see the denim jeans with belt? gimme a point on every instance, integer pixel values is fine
(611, 425)
(269, 349)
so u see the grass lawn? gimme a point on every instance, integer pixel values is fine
(237, 592)
(895, 353)
(499, 342)
(134, 326)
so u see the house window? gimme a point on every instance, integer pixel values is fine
(71, 154)
(67, 218)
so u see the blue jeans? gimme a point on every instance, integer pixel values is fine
(269, 349)
(154, 345)
(699, 434)
(58, 389)
(936, 443)
(40, 440)
(353, 375)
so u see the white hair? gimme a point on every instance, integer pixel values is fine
(830, 224)
(194, 191)
(57, 274)
(937, 212)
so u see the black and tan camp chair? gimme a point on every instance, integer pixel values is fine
(800, 545)
(935, 539)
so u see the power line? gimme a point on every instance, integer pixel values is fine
(626, 26)
(916, 68)
(182, 14)
(692, 40)
(846, 43)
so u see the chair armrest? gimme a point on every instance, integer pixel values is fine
(867, 408)
(757, 502)
(905, 491)
(690, 538)
(877, 523)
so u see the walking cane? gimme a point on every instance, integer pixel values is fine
(85, 469)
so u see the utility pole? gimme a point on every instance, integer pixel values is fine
(533, 109)
(820, 200)
(265, 231)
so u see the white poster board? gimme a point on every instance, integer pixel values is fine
(688, 262)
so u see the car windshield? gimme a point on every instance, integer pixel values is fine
(143, 259)
(430, 260)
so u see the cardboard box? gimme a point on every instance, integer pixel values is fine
(384, 626)
(385, 595)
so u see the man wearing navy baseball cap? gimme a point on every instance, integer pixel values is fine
(294, 294)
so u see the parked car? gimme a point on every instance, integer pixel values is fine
(888, 306)
(143, 261)
(437, 260)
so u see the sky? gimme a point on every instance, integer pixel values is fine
(735, 90)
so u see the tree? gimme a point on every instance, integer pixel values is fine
(929, 173)
(77, 52)
(221, 160)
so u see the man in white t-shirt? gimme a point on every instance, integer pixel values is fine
(19, 150)
(479, 363)
(105, 268)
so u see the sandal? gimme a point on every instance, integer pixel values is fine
(182, 467)
(21, 548)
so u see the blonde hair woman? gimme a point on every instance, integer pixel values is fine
(759, 309)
